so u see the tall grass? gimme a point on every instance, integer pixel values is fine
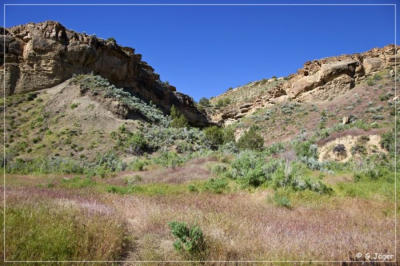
(48, 232)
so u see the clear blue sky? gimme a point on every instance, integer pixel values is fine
(203, 50)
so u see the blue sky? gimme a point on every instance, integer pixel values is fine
(203, 50)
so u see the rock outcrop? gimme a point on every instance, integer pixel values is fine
(324, 78)
(42, 55)
(318, 80)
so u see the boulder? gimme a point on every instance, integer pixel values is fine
(372, 64)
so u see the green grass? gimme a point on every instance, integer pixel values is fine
(78, 182)
(147, 189)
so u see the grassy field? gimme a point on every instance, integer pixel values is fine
(82, 184)
(123, 217)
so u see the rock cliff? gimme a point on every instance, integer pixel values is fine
(318, 80)
(42, 55)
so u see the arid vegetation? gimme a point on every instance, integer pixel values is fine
(99, 172)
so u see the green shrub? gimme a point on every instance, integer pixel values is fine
(169, 159)
(192, 188)
(216, 185)
(377, 77)
(74, 105)
(204, 102)
(137, 144)
(227, 101)
(120, 190)
(306, 149)
(275, 148)
(188, 240)
(229, 135)
(251, 140)
(138, 164)
(282, 201)
(44, 166)
(99, 85)
(358, 149)
(220, 103)
(178, 119)
(250, 168)
(370, 82)
(215, 136)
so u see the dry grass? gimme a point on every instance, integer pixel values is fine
(243, 227)
(239, 225)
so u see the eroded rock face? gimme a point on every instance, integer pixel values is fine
(320, 79)
(42, 55)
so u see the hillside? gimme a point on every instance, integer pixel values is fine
(42, 55)
(105, 162)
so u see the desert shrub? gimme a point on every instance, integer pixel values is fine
(370, 82)
(160, 136)
(378, 117)
(192, 188)
(214, 135)
(188, 240)
(229, 135)
(289, 108)
(377, 77)
(275, 148)
(137, 144)
(178, 119)
(169, 159)
(74, 105)
(133, 180)
(183, 146)
(110, 161)
(45, 166)
(219, 169)
(99, 85)
(292, 175)
(250, 168)
(306, 149)
(220, 103)
(251, 140)
(121, 190)
(339, 149)
(217, 185)
(204, 102)
(282, 201)
(358, 148)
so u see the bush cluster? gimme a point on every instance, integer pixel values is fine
(99, 85)
(188, 240)
(178, 119)
(251, 140)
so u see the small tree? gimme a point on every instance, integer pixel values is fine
(251, 140)
(178, 119)
(204, 102)
(215, 135)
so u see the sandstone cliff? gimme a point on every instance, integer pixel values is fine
(42, 55)
(318, 80)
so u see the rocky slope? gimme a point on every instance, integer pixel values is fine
(319, 80)
(43, 55)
